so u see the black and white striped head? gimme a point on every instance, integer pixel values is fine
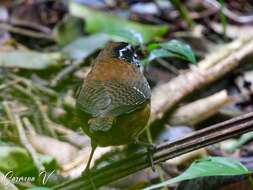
(126, 52)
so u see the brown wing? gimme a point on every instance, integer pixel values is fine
(113, 98)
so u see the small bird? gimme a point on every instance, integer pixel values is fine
(114, 100)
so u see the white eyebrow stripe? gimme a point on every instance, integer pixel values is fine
(121, 52)
(128, 47)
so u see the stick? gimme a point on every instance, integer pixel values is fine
(138, 161)
(24, 141)
(15, 119)
(166, 96)
(199, 110)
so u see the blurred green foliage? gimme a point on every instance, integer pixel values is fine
(211, 166)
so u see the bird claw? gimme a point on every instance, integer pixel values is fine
(150, 150)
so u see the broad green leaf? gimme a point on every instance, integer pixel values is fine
(96, 21)
(156, 53)
(212, 166)
(183, 50)
(84, 46)
(29, 59)
(152, 46)
(17, 160)
(126, 35)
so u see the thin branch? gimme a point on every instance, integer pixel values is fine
(45, 119)
(166, 96)
(138, 161)
(25, 32)
(24, 141)
(183, 11)
(243, 19)
(65, 72)
(33, 25)
(33, 85)
(15, 119)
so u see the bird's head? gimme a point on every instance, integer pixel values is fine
(123, 51)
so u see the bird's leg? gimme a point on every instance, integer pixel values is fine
(150, 150)
(93, 148)
(87, 168)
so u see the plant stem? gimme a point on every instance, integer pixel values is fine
(182, 11)
(157, 167)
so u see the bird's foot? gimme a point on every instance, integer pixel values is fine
(150, 150)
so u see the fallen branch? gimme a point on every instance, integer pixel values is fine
(164, 151)
(199, 110)
(166, 96)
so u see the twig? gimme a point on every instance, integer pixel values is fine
(46, 121)
(183, 11)
(25, 32)
(197, 111)
(9, 114)
(8, 84)
(65, 72)
(157, 167)
(166, 96)
(24, 141)
(15, 119)
(233, 16)
(138, 161)
(24, 23)
(33, 85)
(167, 65)
(28, 125)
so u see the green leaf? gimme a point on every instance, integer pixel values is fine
(29, 59)
(211, 166)
(96, 21)
(84, 46)
(39, 188)
(152, 46)
(48, 162)
(156, 53)
(183, 50)
(15, 159)
(127, 35)
(68, 29)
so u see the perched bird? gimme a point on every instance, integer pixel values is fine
(114, 100)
